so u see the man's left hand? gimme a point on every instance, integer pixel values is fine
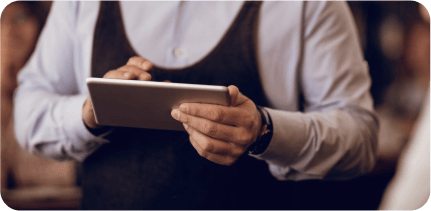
(221, 134)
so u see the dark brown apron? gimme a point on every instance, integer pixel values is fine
(158, 169)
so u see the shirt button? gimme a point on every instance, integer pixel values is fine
(178, 52)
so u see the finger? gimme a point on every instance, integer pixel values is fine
(212, 145)
(213, 129)
(88, 114)
(216, 113)
(128, 73)
(216, 158)
(136, 73)
(140, 62)
(236, 97)
(119, 74)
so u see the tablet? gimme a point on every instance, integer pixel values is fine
(147, 104)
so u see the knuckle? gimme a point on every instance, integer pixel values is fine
(230, 161)
(249, 121)
(126, 68)
(133, 59)
(190, 130)
(207, 146)
(238, 151)
(185, 107)
(140, 62)
(244, 138)
(248, 137)
(203, 153)
(145, 76)
(217, 115)
(194, 109)
(209, 129)
(146, 65)
(185, 118)
(241, 141)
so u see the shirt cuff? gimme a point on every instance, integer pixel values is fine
(82, 141)
(289, 137)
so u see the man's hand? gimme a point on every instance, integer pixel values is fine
(219, 133)
(135, 69)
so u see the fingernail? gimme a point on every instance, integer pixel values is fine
(175, 114)
(184, 108)
(126, 74)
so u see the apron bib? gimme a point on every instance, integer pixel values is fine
(159, 169)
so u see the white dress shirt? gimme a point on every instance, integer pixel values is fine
(303, 47)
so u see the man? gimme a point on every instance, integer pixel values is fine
(298, 82)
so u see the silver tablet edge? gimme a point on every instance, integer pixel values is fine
(154, 84)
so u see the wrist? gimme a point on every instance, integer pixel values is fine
(265, 134)
(98, 130)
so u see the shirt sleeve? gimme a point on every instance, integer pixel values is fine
(48, 102)
(335, 137)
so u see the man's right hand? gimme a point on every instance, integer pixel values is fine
(135, 69)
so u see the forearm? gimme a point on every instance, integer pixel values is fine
(49, 98)
(335, 136)
(52, 126)
(333, 144)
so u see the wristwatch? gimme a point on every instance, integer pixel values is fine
(262, 142)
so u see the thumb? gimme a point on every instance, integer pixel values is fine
(236, 97)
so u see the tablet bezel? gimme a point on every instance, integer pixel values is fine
(147, 104)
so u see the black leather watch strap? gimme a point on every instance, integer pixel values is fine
(262, 142)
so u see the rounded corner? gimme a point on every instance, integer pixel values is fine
(5, 205)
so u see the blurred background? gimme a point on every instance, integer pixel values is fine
(27, 181)
(395, 38)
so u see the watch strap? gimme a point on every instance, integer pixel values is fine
(262, 142)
